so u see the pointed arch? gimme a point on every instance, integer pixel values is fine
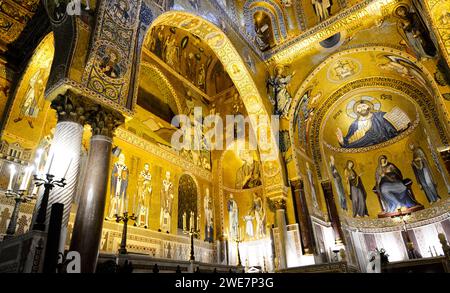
(242, 79)
(275, 13)
(163, 84)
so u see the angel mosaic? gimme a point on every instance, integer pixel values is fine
(415, 34)
(404, 68)
(278, 91)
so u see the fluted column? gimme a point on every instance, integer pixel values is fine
(64, 154)
(280, 218)
(87, 229)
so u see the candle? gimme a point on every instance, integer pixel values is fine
(38, 159)
(198, 222)
(34, 191)
(435, 251)
(184, 222)
(26, 178)
(68, 167)
(50, 165)
(191, 222)
(12, 172)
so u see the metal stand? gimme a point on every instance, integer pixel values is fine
(409, 244)
(192, 233)
(19, 197)
(125, 218)
(238, 241)
(49, 183)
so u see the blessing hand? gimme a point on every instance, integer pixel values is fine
(340, 136)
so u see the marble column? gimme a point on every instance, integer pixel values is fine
(87, 231)
(302, 216)
(333, 214)
(280, 218)
(64, 155)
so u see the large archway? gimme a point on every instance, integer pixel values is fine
(241, 77)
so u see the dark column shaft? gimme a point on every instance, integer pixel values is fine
(333, 214)
(87, 230)
(13, 221)
(302, 217)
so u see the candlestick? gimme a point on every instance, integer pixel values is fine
(12, 172)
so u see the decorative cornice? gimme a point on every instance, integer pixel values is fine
(346, 19)
(276, 191)
(437, 213)
(67, 83)
(320, 222)
(168, 155)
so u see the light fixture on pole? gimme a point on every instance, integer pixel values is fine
(192, 232)
(19, 197)
(409, 244)
(239, 240)
(125, 218)
(49, 182)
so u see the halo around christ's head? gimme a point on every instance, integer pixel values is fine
(373, 103)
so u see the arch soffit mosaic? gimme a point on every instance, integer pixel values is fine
(162, 83)
(240, 76)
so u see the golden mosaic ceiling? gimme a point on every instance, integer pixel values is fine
(14, 16)
(269, 24)
(188, 58)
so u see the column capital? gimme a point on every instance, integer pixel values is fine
(297, 183)
(279, 197)
(279, 202)
(104, 121)
(70, 108)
